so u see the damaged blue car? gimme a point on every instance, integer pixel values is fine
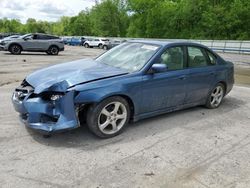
(133, 81)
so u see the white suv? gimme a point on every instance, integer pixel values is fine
(99, 42)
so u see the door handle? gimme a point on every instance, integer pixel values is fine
(182, 77)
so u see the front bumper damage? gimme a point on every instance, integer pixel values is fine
(45, 115)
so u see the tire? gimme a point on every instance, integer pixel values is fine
(215, 96)
(15, 49)
(86, 45)
(53, 50)
(48, 52)
(109, 117)
(105, 47)
(100, 46)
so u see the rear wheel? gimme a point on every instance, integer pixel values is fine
(105, 47)
(109, 117)
(86, 45)
(53, 50)
(215, 97)
(15, 49)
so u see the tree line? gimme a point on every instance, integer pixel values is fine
(196, 19)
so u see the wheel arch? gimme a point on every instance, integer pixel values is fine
(10, 45)
(124, 96)
(225, 86)
(54, 45)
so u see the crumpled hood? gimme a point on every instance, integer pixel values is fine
(62, 76)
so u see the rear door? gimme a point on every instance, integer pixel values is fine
(96, 42)
(167, 89)
(92, 42)
(202, 74)
(44, 41)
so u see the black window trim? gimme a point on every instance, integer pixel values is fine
(215, 57)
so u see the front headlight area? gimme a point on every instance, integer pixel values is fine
(51, 96)
(46, 107)
(52, 110)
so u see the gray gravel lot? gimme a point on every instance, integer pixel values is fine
(191, 148)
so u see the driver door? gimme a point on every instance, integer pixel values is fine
(33, 42)
(167, 89)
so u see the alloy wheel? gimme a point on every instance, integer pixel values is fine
(217, 96)
(54, 50)
(112, 118)
(16, 49)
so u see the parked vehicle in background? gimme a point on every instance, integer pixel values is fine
(36, 42)
(4, 35)
(7, 39)
(74, 41)
(83, 40)
(66, 40)
(112, 43)
(97, 42)
(135, 80)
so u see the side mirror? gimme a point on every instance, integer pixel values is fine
(158, 68)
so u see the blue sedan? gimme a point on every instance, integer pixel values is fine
(133, 81)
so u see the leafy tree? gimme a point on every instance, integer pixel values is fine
(197, 19)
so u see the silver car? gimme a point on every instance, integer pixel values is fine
(36, 42)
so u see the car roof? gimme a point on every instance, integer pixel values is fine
(168, 43)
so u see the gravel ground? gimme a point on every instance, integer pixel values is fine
(191, 148)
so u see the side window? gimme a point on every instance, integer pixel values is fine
(35, 37)
(173, 58)
(212, 58)
(47, 37)
(40, 37)
(196, 57)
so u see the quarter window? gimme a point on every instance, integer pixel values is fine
(173, 58)
(196, 57)
(212, 58)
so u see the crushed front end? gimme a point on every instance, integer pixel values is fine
(47, 111)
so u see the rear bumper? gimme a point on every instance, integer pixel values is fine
(47, 116)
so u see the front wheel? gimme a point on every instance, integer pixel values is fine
(100, 46)
(215, 97)
(109, 117)
(15, 49)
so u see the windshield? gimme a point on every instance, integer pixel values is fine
(129, 56)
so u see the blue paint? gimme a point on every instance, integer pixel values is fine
(87, 82)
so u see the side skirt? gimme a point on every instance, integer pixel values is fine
(165, 110)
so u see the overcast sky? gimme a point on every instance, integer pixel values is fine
(49, 10)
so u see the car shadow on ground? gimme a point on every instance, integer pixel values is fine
(34, 54)
(83, 139)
